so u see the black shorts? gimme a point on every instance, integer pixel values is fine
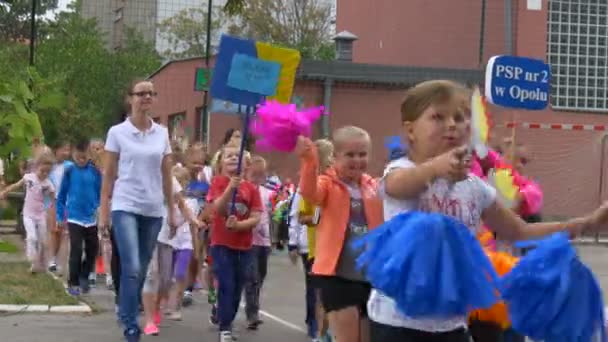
(339, 293)
(386, 333)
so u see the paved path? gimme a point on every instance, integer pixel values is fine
(283, 303)
(283, 317)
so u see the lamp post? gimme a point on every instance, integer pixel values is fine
(33, 31)
(205, 111)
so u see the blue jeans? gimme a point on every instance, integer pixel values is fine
(230, 267)
(135, 237)
(311, 296)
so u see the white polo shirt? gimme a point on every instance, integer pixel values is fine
(138, 187)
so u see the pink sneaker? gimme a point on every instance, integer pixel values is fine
(151, 329)
(157, 318)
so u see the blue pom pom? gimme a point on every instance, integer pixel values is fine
(430, 264)
(553, 296)
(396, 149)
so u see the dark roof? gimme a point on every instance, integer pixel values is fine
(370, 73)
(383, 74)
(166, 64)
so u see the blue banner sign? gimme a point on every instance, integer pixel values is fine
(254, 75)
(518, 82)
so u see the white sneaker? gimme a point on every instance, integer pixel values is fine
(175, 316)
(226, 336)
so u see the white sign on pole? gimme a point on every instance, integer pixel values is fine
(535, 5)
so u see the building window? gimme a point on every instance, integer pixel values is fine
(177, 126)
(576, 51)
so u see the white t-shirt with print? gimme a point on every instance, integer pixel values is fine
(138, 186)
(163, 235)
(466, 201)
(35, 192)
(183, 236)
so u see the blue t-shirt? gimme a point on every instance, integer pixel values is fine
(197, 189)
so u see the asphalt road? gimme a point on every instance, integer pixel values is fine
(283, 305)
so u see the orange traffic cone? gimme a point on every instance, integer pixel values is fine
(99, 266)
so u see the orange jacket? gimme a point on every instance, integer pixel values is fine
(332, 196)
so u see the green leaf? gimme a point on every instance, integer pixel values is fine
(6, 98)
(16, 130)
(20, 109)
(24, 91)
(54, 100)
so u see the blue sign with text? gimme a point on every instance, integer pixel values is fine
(518, 82)
(254, 75)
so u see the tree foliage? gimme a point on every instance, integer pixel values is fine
(15, 17)
(186, 32)
(76, 87)
(21, 102)
(300, 24)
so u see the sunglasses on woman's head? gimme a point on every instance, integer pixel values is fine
(144, 93)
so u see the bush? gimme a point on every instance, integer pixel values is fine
(9, 212)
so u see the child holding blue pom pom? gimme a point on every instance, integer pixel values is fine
(349, 207)
(435, 177)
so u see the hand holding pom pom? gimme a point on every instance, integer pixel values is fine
(279, 125)
(303, 146)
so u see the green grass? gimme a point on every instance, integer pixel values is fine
(7, 247)
(19, 286)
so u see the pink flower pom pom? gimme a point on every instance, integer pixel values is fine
(278, 125)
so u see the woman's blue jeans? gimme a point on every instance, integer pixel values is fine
(135, 238)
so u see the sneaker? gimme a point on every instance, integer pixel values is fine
(132, 335)
(157, 318)
(92, 280)
(175, 316)
(226, 336)
(53, 267)
(213, 318)
(151, 330)
(85, 286)
(187, 299)
(73, 291)
(109, 283)
(211, 296)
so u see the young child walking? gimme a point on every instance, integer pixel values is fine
(37, 186)
(184, 243)
(309, 215)
(348, 200)
(231, 236)
(161, 271)
(58, 238)
(260, 250)
(435, 177)
(78, 200)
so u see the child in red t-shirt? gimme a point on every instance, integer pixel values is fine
(231, 235)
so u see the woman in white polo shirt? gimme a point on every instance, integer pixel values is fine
(137, 166)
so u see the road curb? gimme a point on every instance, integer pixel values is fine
(35, 308)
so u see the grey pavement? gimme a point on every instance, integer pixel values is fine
(282, 304)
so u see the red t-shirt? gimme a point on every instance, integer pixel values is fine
(247, 200)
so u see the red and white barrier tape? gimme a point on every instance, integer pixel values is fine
(554, 126)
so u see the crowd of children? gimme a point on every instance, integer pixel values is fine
(224, 216)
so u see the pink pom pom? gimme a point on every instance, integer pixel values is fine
(278, 125)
